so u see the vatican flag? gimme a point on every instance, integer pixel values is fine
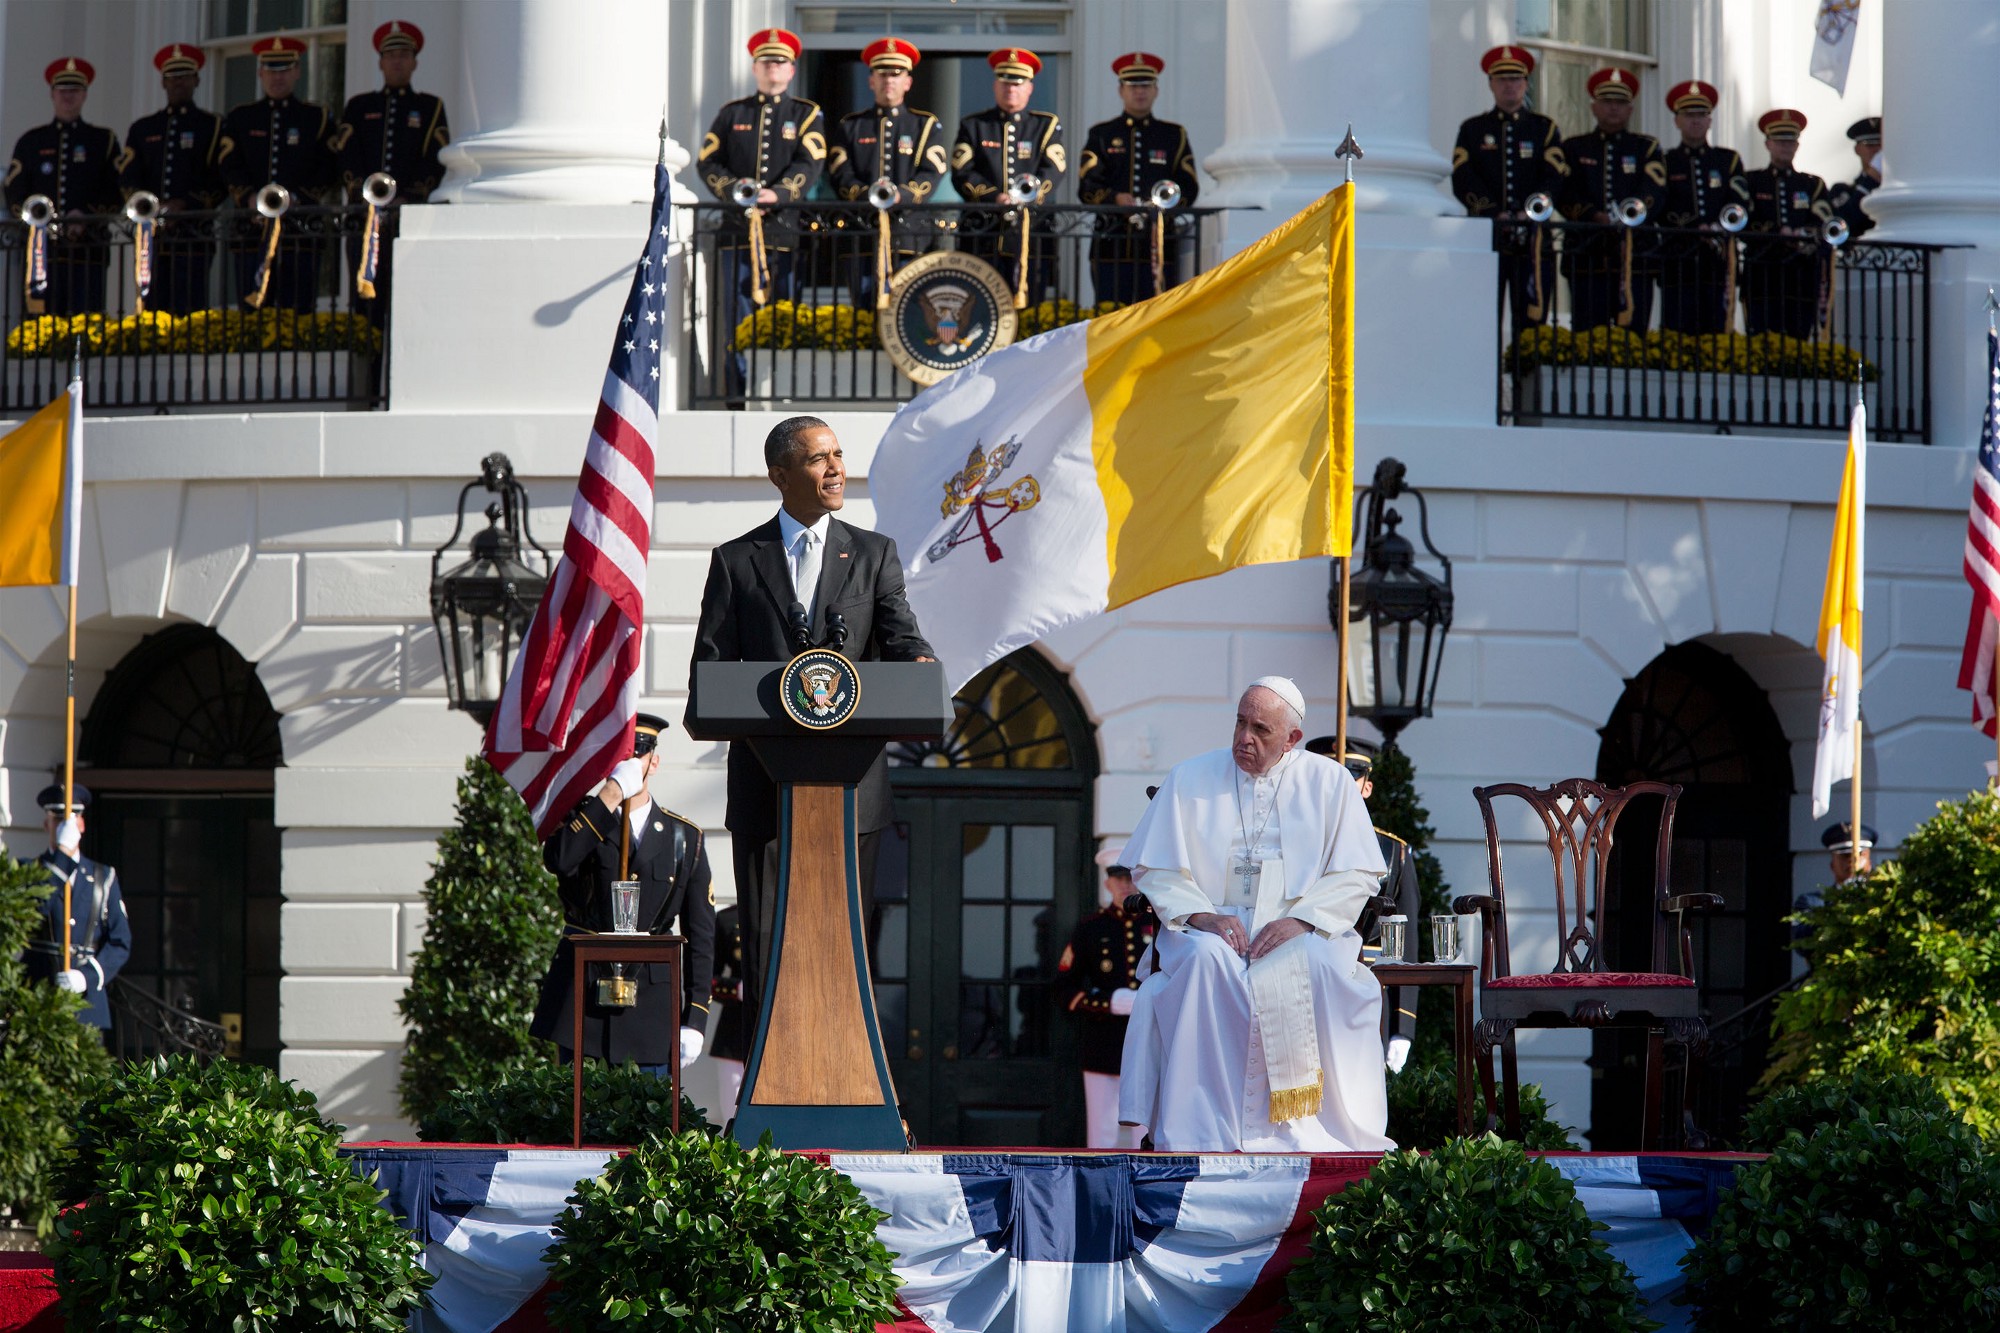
(1839, 752)
(40, 494)
(1205, 429)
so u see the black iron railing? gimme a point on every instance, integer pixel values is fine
(814, 340)
(1739, 1046)
(195, 342)
(1721, 332)
(143, 1025)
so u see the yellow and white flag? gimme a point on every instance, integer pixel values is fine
(1839, 752)
(1205, 429)
(41, 494)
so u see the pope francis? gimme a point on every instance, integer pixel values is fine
(1259, 1032)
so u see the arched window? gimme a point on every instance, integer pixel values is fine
(1017, 716)
(182, 699)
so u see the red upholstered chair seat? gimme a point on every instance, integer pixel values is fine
(1575, 980)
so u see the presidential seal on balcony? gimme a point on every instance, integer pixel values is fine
(819, 689)
(945, 310)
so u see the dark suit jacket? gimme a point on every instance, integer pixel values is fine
(671, 865)
(743, 620)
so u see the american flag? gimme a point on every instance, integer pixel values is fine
(565, 718)
(1982, 553)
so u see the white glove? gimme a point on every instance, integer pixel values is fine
(71, 981)
(1399, 1054)
(1121, 1001)
(630, 775)
(691, 1044)
(69, 837)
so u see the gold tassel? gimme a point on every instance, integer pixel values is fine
(1625, 283)
(1021, 283)
(1536, 306)
(1298, 1103)
(1832, 272)
(760, 263)
(364, 274)
(256, 299)
(1159, 250)
(1729, 286)
(883, 260)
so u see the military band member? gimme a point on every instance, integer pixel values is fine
(1701, 181)
(619, 833)
(278, 139)
(74, 164)
(1502, 158)
(777, 142)
(397, 131)
(1606, 167)
(99, 934)
(894, 143)
(171, 155)
(1845, 198)
(1096, 981)
(1788, 209)
(995, 148)
(1122, 160)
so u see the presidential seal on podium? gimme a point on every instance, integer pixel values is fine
(819, 689)
(946, 310)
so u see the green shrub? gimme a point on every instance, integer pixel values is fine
(48, 1060)
(1423, 1107)
(699, 1234)
(1866, 1094)
(529, 1102)
(1474, 1236)
(217, 1200)
(1906, 969)
(492, 925)
(1865, 1225)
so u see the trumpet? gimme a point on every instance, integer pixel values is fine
(143, 206)
(378, 189)
(273, 201)
(744, 193)
(882, 194)
(1734, 218)
(1026, 188)
(1539, 208)
(1164, 195)
(1834, 233)
(1631, 211)
(38, 211)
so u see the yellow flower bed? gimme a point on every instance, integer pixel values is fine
(1716, 353)
(201, 333)
(1055, 314)
(789, 326)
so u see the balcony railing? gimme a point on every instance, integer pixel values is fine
(1748, 332)
(196, 344)
(822, 348)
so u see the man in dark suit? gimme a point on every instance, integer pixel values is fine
(803, 562)
(99, 934)
(619, 833)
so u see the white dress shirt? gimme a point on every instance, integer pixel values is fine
(804, 564)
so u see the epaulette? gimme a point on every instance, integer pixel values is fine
(671, 814)
(1381, 832)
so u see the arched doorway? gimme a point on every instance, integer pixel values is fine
(979, 882)
(178, 749)
(1695, 717)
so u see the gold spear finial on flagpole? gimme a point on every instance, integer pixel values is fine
(1349, 149)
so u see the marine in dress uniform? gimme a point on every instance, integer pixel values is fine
(1788, 209)
(1122, 159)
(171, 154)
(100, 936)
(1845, 198)
(74, 164)
(1097, 980)
(396, 130)
(665, 853)
(283, 140)
(1607, 166)
(994, 149)
(1503, 157)
(891, 142)
(779, 142)
(1702, 180)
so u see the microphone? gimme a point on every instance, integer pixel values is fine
(801, 627)
(836, 630)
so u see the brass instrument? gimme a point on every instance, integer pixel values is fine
(378, 189)
(143, 210)
(143, 206)
(743, 194)
(1163, 196)
(1631, 211)
(272, 203)
(1733, 219)
(882, 197)
(1835, 234)
(1539, 208)
(39, 212)
(1026, 189)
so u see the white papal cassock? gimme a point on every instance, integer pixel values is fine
(1280, 1055)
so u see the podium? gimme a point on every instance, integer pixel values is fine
(817, 1076)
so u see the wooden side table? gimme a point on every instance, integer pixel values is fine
(587, 948)
(1458, 976)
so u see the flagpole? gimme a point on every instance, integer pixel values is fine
(72, 499)
(1348, 150)
(1993, 331)
(1859, 447)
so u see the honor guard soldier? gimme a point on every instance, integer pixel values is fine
(1788, 210)
(1502, 158)
(171, 155)
(730, 1046)
(1609, 281)
(100, 937)
(777, 143)
(74, 165)
(893, 144)
(1097, 980)
(278, 140)
(398, 132)
(1845, 198)
(619, 833)
(1849, 858)
(1123, 158)
(1701, 182)
(995, 149)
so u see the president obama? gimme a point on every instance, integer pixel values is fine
(802, 563)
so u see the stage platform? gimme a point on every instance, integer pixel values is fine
(991, 1241)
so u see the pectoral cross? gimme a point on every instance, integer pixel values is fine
(1243, 872)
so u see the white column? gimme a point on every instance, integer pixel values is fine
(561, 103)
(1939, 183)
(1298, 71)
